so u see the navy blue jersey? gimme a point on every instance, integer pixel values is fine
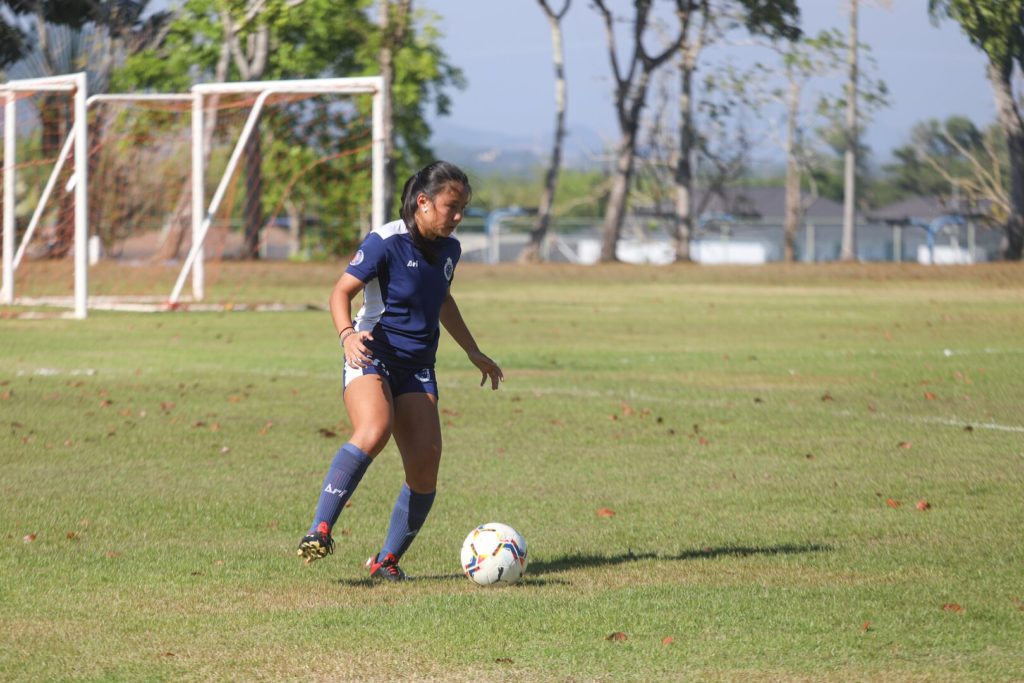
(403, 293)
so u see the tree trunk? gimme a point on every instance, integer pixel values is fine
(630, 96)
(252, 64)
(615, 212)
(793, 201)
(848, 251)
(531, 252)
(684, 170)
(1010, 120)
(253, 215)
(295, 227)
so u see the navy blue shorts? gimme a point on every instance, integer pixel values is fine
(402, 380)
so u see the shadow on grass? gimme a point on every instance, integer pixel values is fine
(529, 580)
(583, 561)
(538, 568)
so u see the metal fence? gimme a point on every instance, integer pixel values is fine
(743, 242)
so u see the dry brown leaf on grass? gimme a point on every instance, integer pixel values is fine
(892, 502)
(952, 607)
(617, 637)
(923, 505)
(605, 512)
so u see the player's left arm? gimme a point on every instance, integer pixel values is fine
(452, 320)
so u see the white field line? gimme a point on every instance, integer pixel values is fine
(589, 393)
(945, 421)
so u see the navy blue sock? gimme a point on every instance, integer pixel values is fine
(410, 511)
(346, 470)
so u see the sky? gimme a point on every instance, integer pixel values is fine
(504, 49)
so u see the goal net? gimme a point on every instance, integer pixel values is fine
(44, 166)
(180, 183)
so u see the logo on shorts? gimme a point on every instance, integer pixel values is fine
(449, 269)
(423, 375)
(358, 258)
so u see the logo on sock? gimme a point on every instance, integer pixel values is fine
(337, 492)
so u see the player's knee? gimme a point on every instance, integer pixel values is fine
(372, 439)
(422, 482)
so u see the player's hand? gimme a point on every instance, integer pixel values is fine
(357, 354)
(488, 368)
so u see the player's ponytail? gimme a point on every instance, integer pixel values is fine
(430, 180)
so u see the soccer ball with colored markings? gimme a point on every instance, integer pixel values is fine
(494, 554)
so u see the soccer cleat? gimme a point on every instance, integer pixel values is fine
(386, 569)
(316, 545)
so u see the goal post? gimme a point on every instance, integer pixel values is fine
(75, 144)
(203, 215)
(160, 180)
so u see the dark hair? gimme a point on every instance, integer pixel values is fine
(430, 180)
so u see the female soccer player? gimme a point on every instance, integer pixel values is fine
(404, 269)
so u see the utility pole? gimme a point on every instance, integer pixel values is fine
(848, 251)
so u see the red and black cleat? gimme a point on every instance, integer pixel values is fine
(316, 545)
(386, 569)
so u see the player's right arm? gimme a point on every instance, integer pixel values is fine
(344, 293)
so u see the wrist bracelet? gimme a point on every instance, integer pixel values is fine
(345, 328)
(345, 335)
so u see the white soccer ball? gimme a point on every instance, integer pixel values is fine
(493, 554)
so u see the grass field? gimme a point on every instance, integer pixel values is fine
(723, 465)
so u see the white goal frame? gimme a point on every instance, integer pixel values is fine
(77, 140)
(202, 218)
(202, 214)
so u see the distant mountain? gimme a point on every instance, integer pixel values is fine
(488, 151)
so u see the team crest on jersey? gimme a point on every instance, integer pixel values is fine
(449, 269)
(358, 258)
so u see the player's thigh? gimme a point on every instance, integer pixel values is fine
(417, 430)
(371, 411)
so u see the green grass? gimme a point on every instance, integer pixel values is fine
(748, 427)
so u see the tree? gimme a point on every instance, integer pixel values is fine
(304, 39)
(630, 95)
(51, 37)
(803, 61)
(775, 18)
(955, 160)
(395, 17)
(848, 247)
(531, 252)
(997, 27)
(423, 78)
(689, 52)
